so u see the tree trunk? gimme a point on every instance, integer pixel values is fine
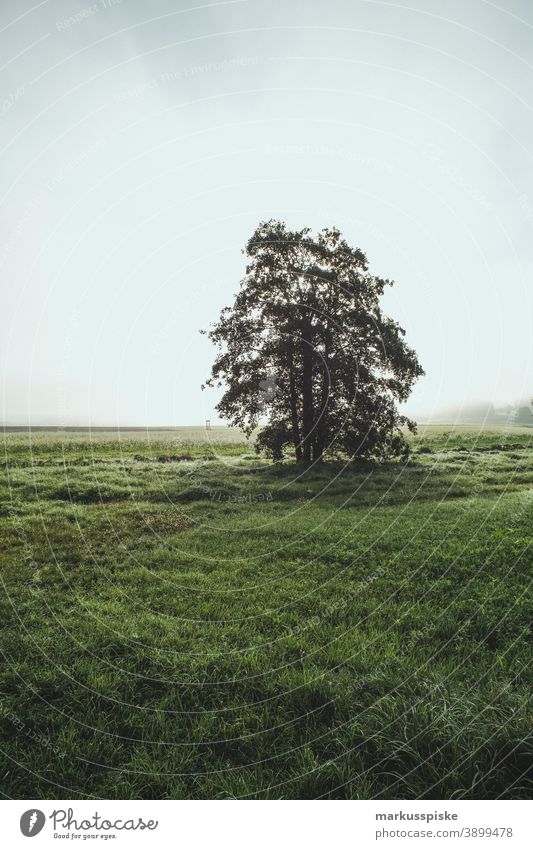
(307, 391)
(322, 423)
(294, 407)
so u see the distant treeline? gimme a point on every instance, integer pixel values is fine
(487, 413)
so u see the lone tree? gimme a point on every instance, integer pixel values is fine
(307, 346)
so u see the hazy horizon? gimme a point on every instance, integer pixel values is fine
(142, 146)
(472, 412)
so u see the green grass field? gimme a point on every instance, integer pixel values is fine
(182, 620)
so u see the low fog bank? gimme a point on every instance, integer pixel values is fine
(481, 412)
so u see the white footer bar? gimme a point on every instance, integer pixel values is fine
(267, 825)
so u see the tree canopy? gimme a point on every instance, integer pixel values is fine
(306, 346)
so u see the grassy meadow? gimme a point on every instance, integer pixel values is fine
(180, 619)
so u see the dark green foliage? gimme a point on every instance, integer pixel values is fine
(307, 345)
(273, 439)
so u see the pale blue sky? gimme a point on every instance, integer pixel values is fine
(141, 142)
